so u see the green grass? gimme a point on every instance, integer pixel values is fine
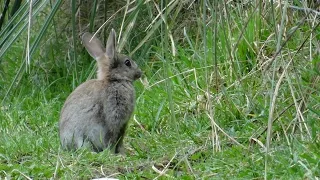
(203, 104)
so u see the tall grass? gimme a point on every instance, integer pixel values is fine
(230, 89)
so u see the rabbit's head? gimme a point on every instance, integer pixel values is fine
(111, 65)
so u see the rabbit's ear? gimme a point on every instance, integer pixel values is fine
(111, 45)
(93, 45)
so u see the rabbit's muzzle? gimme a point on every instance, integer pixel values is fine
(138, 74)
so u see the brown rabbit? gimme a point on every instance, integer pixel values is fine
(96, 113)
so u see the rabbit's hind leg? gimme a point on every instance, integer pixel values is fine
(83, 142)
(97, 136)
(72, 141)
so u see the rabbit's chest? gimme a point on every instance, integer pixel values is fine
(120, 100)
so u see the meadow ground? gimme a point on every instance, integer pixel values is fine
(230, 90)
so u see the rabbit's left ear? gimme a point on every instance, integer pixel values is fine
(93, 45)
(111, 45)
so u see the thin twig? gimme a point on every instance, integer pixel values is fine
(162, 173)
(305, 9)
(220, 129)
(57, 167)
(27, 177)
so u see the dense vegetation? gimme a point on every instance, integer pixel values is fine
(230, 88)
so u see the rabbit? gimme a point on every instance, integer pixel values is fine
(96, 113)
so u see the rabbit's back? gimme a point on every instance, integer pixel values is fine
(81, 112)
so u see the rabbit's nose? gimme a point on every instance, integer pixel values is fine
(138, 74)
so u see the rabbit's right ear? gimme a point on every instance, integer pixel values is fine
(93, 45)
(111, 45)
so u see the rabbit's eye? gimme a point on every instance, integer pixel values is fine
(127, 63)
